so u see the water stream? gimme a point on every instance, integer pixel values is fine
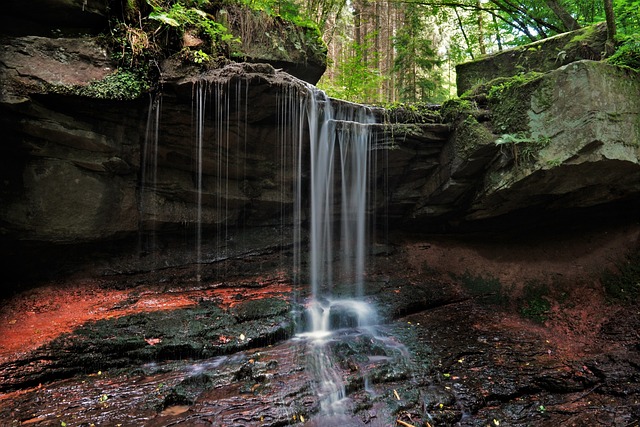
(331, 203)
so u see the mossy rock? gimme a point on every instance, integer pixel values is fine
(541, 56)
(510, 101)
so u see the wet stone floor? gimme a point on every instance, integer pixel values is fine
(226, 353)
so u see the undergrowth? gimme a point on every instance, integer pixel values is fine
(623, 283)
(535, 304)
(628, 52)
(488, 288)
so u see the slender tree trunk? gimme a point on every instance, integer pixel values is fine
(357, 14)
(378, 47)
(498, 38)
(611, 27)
(481, 45)
(565, 17)
(464, 33)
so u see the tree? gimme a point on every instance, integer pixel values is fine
(567, 20)
(415, 58)
(611, 27)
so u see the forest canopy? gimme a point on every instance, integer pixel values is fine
(406, 50)
(388, 51)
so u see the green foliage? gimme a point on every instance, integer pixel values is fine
(524, 147)
(415, 58)
(623, 284)
(357, 79)
(488, 288)
(627, 16)
(535, 303)
(288, 10)
(628, 52)
(122, 85)
(183, 17)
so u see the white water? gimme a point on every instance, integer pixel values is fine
(149, 174)
(340, 149)
(338, 143)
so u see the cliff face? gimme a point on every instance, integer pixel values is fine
(84, 164)
(551, 145)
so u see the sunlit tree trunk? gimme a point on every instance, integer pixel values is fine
(565, 17)
(611, 27)
(481, 45)
(464, 33)
(498, 38)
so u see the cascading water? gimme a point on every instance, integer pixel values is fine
(149, 173)
(340, 143)
(337, 139)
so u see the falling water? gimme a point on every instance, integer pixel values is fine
(337, 139)
(340, 144)
(340, 148)
(149, 174)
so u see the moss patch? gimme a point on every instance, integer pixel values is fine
(121, 85)
(510, 102)
(453, 108)
(471, 134)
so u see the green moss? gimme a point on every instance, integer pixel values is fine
(535, 303)
(510, 102)
(471, 134)
(120, 85)
(453, 108)
(585, 35)
(406, 112)
(627, 53)
(488, 288)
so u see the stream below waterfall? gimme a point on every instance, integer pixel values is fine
(318, 318)
(169, 351)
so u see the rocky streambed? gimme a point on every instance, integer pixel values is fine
(162, 348)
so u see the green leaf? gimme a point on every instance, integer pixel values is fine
(164, 18)
(199, 12)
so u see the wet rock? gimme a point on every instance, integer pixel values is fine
(194, 333)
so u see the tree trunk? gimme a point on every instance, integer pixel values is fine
(611, 28)
(481, 45)
(498, 38)
(464, 33)
(565, 17)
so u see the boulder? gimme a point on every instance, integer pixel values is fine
(577, 146)
(542, 56)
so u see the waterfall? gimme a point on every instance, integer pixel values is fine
(340, 150)
(340, 143)
(327, 146)
(149, 175)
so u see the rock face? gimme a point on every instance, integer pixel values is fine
(69, 163)
(581, 143)
(79, 167)
(566, 140)
(542, 56)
